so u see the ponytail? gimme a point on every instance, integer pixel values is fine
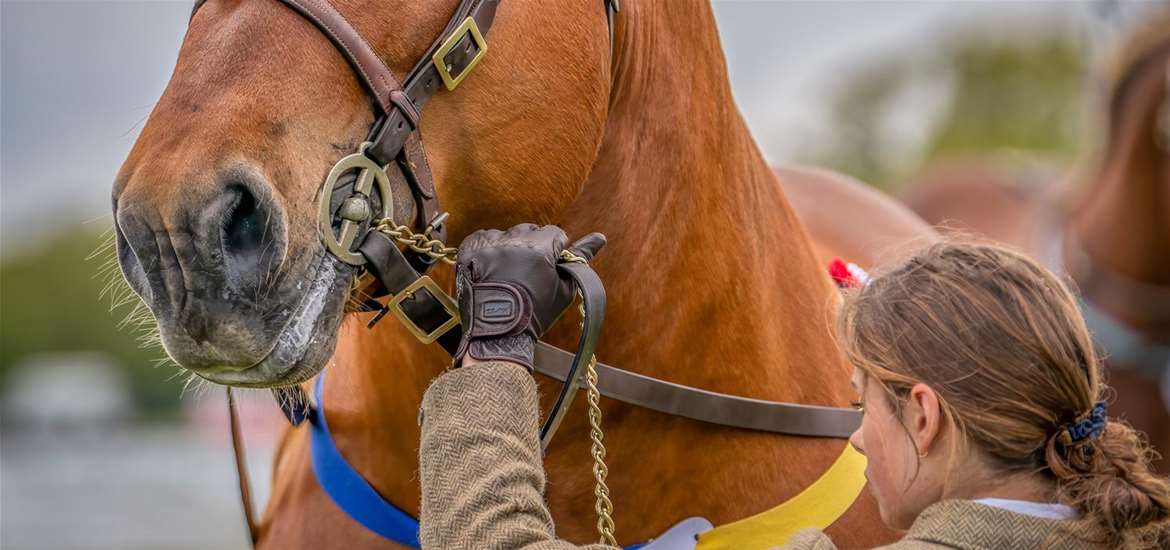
(1107, 479)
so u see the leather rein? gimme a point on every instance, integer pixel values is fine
(357, 201)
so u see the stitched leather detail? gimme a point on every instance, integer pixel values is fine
(403, 102)
(517, 349)
(499, 309)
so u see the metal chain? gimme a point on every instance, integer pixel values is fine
(418, 242)
(602, 505)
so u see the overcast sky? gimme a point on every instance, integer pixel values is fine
(78, 78)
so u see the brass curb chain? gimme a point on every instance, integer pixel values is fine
(602, 505)
(418, 242)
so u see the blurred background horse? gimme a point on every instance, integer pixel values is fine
(1107, 226)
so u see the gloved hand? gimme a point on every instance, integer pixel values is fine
(509, 290)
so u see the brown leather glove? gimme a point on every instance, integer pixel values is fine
(509, 290)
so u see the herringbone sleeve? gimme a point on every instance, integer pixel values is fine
(480, 461)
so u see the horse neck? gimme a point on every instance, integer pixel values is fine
(703, 245)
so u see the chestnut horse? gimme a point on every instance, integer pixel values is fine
(1110, 233)
(712, 281)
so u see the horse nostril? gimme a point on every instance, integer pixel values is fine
(252, 238)
(244, 226)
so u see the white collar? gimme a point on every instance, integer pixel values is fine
(1046, 510)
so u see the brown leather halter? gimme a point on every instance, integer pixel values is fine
(347, 197)
(393, 141)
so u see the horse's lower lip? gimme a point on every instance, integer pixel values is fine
(261, 375)
(220, 370)
(289, 361)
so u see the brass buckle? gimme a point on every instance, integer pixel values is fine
(467, 26)
(449, 306)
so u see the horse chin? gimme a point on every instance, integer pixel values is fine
(304, 345)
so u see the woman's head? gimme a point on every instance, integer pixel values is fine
(973, 361)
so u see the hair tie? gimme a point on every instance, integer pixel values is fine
(1090, 425)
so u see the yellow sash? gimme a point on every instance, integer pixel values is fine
(819, 505)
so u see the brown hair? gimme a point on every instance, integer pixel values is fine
(1003, 344)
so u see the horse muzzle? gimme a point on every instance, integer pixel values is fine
(216, 273)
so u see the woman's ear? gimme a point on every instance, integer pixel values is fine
(923, 418)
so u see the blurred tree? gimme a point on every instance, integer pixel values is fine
(51, 299)
(1013, 95)
(858, 108)
(856, 145)
(1018, 94)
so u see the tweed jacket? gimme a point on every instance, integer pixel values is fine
(483, 480)
(968, 525)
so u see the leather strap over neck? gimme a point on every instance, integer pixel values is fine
(451, 55)
(426, 312)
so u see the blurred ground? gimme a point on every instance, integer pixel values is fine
(75, 481)
(137, 488)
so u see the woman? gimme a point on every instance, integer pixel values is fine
(984, 423)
